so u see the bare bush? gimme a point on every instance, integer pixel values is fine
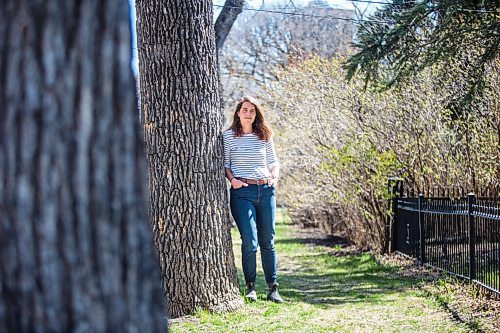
(339, 144)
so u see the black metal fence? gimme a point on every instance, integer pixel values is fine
(458, 235)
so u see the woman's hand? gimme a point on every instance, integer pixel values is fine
(272, 182)
(236, 183)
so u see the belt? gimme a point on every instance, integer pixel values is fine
(253, 181)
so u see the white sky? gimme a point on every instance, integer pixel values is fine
(334, 3)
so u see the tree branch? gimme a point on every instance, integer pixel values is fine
(225, 20)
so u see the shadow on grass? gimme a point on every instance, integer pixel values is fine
(328, 280)
(321, 272)
(333, 277)
(327, 240)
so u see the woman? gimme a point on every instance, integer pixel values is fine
(252, 168)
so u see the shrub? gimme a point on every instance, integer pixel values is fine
(339, 143)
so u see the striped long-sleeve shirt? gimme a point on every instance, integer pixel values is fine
(249, 157)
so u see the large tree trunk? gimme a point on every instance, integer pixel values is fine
(76, 248)
(183, 125)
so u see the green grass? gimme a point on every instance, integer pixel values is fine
(326, 292)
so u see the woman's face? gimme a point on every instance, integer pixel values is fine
(247, 113)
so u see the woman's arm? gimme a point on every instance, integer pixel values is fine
(275, 171)
(273, 162)
(235, 183)
(229, 174)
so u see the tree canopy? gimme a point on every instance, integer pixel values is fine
(406, 36)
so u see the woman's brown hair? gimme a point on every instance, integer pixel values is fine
(259, 126)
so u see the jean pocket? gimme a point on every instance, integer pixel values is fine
(236, 190)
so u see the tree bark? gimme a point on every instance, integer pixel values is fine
(76, 250)
(183, 127)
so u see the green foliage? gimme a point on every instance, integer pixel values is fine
(403, 38)
(359, 159)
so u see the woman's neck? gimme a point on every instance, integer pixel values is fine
(247, 129)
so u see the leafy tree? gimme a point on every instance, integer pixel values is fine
(406, 36)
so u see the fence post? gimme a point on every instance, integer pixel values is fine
(393, 186)
(471, 199)
(421, 228)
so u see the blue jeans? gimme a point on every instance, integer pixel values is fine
(254, 209)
